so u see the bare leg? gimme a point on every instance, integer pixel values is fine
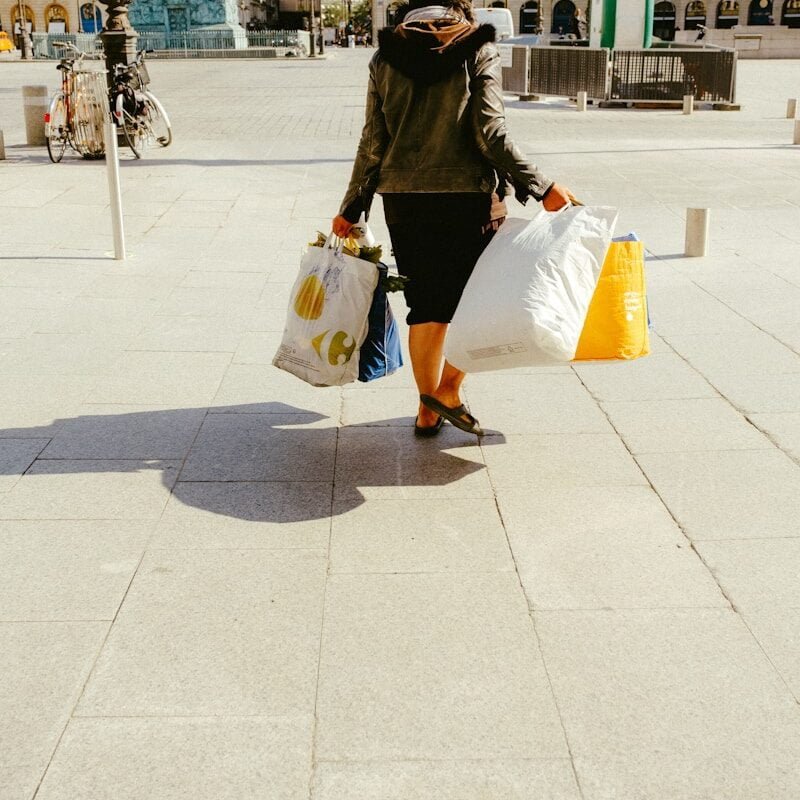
(426, 346)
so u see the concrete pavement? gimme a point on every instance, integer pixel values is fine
(218, 582)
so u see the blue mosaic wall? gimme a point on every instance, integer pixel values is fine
(177, 16)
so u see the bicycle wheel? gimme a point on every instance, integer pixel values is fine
(135, 130)
(159, 121)
(56, 128)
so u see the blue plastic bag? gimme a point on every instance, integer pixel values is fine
(380, 353)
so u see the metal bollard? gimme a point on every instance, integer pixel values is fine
(791, 108)
(582, 99)
(35, 101)
(114, 192)
(2, 147)
(796, 131)
(688, 103)
(697, 220)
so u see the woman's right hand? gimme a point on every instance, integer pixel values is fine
(341, 227)
(557, 197)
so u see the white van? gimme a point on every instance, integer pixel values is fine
(499, 17)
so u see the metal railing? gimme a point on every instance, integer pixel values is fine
(189, 44)
(515, 77)
(651, 76)
(667, 76)
(43, 43)
(565, 71)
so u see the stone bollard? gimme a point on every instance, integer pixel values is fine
(791, 108)
(582, 100)
(36, 102)
(796, 132)
(697, 220)
(688, 103)
(2, 147)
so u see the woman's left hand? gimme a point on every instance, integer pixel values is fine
(341, 227)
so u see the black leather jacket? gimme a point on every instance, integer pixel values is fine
(437, 124)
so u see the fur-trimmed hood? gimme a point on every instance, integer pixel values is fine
(421, 54)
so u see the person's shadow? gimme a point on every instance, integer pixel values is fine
(260, 462)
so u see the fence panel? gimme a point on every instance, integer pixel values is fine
(668, 75)
(565, 71)
(516, 61)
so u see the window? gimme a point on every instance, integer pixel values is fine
(695, 15)
(56, 19)
(727, 13)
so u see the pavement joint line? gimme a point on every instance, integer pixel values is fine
(313, 753)
(534, 630)
(711, 571)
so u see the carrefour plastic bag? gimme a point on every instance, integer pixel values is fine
(526, 301)
(616, 324)
(327, 317)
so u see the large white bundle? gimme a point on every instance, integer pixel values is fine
(326, 321)
(526, 301)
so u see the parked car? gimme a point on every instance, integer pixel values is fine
(499, 17)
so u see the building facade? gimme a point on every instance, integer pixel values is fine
(45, 16)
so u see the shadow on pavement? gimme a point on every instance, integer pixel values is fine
(259, 462)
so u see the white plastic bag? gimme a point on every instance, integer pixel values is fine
(326, 322)
(527, 298)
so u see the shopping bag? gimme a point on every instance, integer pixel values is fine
(326, 321)
(381, 353)
(616, 324)
(526, 301)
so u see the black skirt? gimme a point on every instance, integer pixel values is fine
(437, 240)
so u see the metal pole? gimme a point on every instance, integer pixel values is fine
(27, 45)
(114, 191)
(312, 49)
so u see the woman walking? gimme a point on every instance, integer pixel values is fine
(435, 146)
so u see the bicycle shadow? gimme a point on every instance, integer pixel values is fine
(257, 463)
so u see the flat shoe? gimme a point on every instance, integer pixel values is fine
(428, 430)
(458, 416)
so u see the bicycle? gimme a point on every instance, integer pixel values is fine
(136, 109)
(77, 111)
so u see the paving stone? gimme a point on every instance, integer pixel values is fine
(420, 535)
(757, 572)
(214, 633)
(60, 354)
(743, 494)
(67, 570)
(552, 403)
(126, 432)
(696, 729)
(261, 447)
(16, 455)
(783, 429)
(656, 377)
(432, 667)
(391, 463)
(543, 461)
(602, 547)
(222, 758)
(261, 389)
(381, 406)
(759, 393)
(86, 489)
(754, 353)
(245, 515)
(162, 379)
(188, 334)
(548, 779)
(44, 666)
(778, 631)
(665, 426)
